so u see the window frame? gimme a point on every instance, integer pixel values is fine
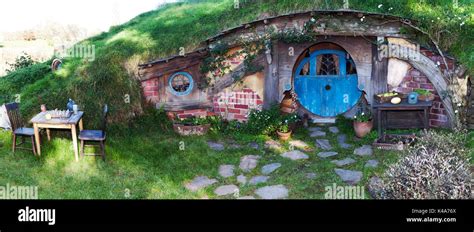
(190, 88)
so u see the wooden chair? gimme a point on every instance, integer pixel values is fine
(95, 136)
(18, 128)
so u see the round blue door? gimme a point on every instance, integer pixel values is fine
(326, 83)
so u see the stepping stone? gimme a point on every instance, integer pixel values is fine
(246, 198)
(248, 162)
(226, 190)
(254, 145)
(258, 179)
(226, 170)
(295, 155)
(343, 162)
(272, 144)
(235, 146)
(365, 150)
(242, 179)
(299, 144)
(326, 154)
(215, 146)
(348, 176)
(341, 140)
(310, 175)
(317, 134)
(334, 130)
(272, 192)
(199, 182)
(269, 168)
(372, 164)
(323, 144)
(316, 128)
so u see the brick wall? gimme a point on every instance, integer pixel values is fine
(417, 80)
(237, 104)
(150, 89)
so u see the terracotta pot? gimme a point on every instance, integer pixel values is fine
(362, 128)
(287, 106)
(284, 136)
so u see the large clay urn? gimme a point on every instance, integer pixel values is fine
(362, 128)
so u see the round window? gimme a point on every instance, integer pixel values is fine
(181, 83)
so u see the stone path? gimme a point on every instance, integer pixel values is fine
(316, 128)
(242, 179)
(199, 182)
(317, 134)
(343, 162)
(272, 192)
(215, 146)
(334, 129)
(372, 164)
(226, 190)
(272, 144)
(248, 162)
(326, 154)
(323, 144)
(349, 176)
(226, 170)
(269, 168)
(365, 150)
(295, 155)
(258, 180)
(300, 145)
(341, 140)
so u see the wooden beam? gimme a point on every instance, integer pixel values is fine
(379, 71)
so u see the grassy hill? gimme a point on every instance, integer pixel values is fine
(111, 76)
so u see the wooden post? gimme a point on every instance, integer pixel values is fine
(379, 73)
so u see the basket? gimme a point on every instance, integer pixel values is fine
(429, 97)
(382, 99)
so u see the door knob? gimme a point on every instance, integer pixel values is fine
(328, 87)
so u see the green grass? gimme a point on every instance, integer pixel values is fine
(147, 161)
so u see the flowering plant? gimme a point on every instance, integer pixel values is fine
(286, 120)
(362, 116)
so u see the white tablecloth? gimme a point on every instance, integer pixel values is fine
(4, 122)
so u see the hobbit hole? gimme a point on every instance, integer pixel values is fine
(327, 72)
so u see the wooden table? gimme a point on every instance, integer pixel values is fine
(40, 121)
(403, 106)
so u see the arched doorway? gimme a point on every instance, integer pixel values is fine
(325, 80)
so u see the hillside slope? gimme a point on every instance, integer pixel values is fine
(110, 78)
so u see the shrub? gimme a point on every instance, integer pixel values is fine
(14, 82)
(264, 121)
(23, 61)
(437, 167)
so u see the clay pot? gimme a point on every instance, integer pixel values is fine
(362, 128)
(284, 136)
(287, 106)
